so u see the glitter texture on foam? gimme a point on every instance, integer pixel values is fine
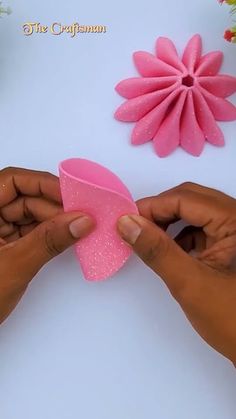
(102, 253)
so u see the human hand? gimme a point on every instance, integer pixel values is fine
(33, 230)
(204, 285)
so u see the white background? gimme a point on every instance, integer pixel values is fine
(122, 348)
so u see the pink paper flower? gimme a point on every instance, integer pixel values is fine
(177, 102)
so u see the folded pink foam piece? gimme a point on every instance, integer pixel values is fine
(166, 115)
(91, 188)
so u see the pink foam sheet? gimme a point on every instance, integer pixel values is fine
(176, 101)
(91, 188)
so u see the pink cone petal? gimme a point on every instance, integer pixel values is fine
(134, 109)
(191, 136)
(192, 53)
(210, 64)
(138, 86)
(221, 85)
(222, 109)
(150, 66)
(167, 138)
(146, 128)
(206, 120)
(166, 51)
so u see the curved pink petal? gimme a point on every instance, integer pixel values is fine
(210, 64)
(167, 138)
(134, 109)
(192, 53)
(138, 86)
(150, 66)
(206, 120)
(222, 109)
(221, 85)
(146, 128)
(191, 136)
(166, 51)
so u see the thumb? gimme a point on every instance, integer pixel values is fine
(49, 239)
(161, 253)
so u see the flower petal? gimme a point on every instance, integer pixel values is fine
(138, 86)
(191, 136)
(168, 136)
(210, 64)
(222, 109)
(146, 128)
(166, 51)
(206, 120)
(192, 53)
(134, 109)
(150, 66)
(221, 85)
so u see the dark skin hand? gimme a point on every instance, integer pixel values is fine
(33, 230)
(204, 284)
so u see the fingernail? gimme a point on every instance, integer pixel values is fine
(81, 226)
(129, 229)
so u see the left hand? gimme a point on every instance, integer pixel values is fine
(33, 230)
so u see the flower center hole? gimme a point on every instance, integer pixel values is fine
(188, 81)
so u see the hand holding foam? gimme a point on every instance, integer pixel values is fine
(88, 187)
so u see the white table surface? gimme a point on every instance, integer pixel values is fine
(121, 349)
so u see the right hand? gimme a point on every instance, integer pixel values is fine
(204, 285)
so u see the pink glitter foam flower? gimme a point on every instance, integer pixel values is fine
(177, 102)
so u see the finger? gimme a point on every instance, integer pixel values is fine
(24, 210)
(2, 242)
(11, 238)
(2, 221)
(7, 229)
(20, 231)
(191, 238)
(195, 208)
(221, 255)
(161, 254)
(26, 229)
(48, 240)
(16, 181)
(195, 187)
(145, 208)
